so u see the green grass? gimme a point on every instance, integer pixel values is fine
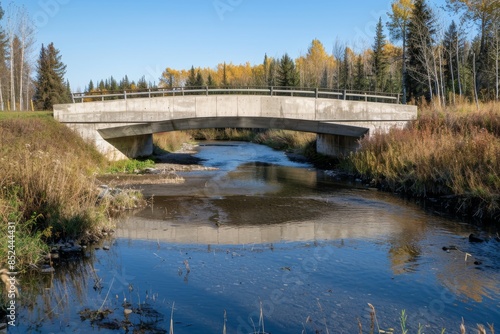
(129, 166)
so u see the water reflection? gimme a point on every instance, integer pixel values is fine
(305, 246)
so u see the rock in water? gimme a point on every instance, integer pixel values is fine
(473, 238)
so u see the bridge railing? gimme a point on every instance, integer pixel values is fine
(270, 91)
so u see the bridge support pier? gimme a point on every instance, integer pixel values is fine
(133, 147)
(336, 145)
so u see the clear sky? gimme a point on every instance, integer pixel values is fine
(100, 38)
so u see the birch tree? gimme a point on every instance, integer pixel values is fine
(25, 33)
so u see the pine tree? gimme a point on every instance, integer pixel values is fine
(210, 81)
(50, 85)
(124, 83)
(421, 31)
(379, 61)
(287, 75)
(142, 84)
(199, 82)
(191, 79)
(90, 87)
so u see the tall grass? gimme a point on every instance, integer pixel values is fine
(47, 185)
(451, 152)
(285, 139)
(171, 141)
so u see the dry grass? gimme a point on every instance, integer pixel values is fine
(452, 152)
(171, 141)
(285, 139)
(47, 184)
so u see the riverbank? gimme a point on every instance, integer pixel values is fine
(49, 189)
(450, 157)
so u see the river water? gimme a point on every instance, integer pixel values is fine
(263, 244)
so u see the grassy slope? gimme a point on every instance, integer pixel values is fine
(46, 183)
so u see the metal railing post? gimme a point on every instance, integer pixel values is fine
(206, 89)
(344, 95)
(125, 94)
(272, 90)
(317, 92)
(149, 92)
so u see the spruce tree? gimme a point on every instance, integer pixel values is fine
(210, 81)
(379, 60)
(421, 31)
(191, 79)
(90, 87)
(50, 85)
(199, 82)
(287, 75)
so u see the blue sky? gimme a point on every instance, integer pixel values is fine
(98, 39)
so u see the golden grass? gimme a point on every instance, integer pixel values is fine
(451, 152)
(171, 141)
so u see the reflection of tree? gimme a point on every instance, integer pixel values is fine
(405, 248)
(463, 277)
(55, 291)
(404, 257)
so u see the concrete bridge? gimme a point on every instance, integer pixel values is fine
(121, 125)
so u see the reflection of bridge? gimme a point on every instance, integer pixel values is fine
(122, 124)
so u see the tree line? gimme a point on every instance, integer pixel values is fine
(431, 62)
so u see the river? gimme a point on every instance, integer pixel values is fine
(263, 244)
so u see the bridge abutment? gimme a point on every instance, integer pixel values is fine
(133, 147)
(335, 145)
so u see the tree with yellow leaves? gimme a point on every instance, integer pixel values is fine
(398, 27)
(315, 65)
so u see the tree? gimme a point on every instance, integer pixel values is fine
(142, 83)
(398, 27)
(124, 84)
(312, 66)
(272, 73)
(199, 82)
(287, 75)
(25, 34)
(451, 43)
(420, 52)
(485, 13)
(90, 87)
(3, 45)
(50, 85)
(210, 81)
(379, 61)
(360, 79)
